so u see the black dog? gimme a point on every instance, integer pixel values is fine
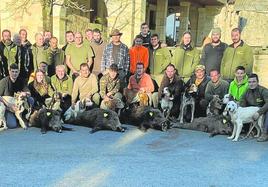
(97, 119)
(144, 117)
(47, 119)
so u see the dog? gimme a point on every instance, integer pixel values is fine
(21, 104)
(3, 123)
(242, 115)
(143, 99)
(188, 100)
(166, 102)
(214, 106)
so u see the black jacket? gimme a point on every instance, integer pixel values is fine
(201, 88)
(8, 88)
(26, 60)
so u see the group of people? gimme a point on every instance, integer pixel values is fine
(93, 69)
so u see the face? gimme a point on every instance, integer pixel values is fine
(6, 37)
(84, 71)
(199, 74)
(116, 38)
(138, 42)
(47, 35)
(43, 67)
(39, 76)
(144, 29)
(154, 41)
(53, 43)
(23, 35)
(139, 69)
(214, 75)
(78, 38)
(112, 74)
(252, 83)
(186, 39)
(14, 73)
(96, 36)
(235, 36)
(39, 40)
(60, 72)
(215, 37)
(89, 35)
(239, 74)
(170, 71)
(69, 37)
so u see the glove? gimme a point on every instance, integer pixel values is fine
(256, 116)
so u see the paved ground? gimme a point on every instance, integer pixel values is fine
(131, 159)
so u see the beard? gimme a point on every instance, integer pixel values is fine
(216, 41)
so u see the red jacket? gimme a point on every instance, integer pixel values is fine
(145, 83)
(138, 54)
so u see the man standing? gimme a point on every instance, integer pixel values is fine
(216, 86)
(237, 54)
(116, 53)
(26, 61)
(98, 46)
(257, 95)
(69, 37)
(145, 34)
(138, 53)
(110, 86)
(78, 53)
(85, 86)
(39, 51)
(140, 82)
(213, 52)
(159, 58)
(47, 37)
(55, 56)
(9, 53)
(89, 36)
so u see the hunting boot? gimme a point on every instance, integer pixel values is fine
(264, 135)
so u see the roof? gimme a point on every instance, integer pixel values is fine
(251, 5)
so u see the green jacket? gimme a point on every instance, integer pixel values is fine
(54, 58)
(159, 59)
(237, 91)
(63, 86)
(219, 89)
(233, 57)
(39, 55)
(185, 61)
(257, 97)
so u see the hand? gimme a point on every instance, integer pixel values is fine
(109, 94)
(106, 98)
(13, 107)
(256, 116)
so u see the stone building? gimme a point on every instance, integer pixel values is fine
(168, 18)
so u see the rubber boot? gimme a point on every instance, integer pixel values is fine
(264, 135)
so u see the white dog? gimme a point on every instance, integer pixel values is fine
(19, 101)
(166, 102)
(242, 115)
(188, 100)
